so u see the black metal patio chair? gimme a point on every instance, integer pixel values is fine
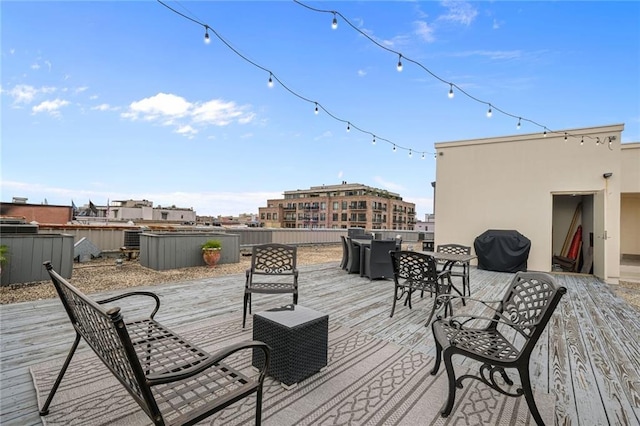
(273, 271)
(415, 271)
(458, 269)
(504, 339)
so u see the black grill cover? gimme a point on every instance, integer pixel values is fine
(502, 250)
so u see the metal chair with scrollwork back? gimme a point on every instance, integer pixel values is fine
(505, 341)
(273, 271)
(415, 271)
(458, 269)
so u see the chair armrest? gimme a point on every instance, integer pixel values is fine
(158, 379)
(457, 324)
(466, 299)
(134, 293)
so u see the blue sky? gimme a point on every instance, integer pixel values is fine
(119, 100)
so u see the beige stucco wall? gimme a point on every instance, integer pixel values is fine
(509, 183)
(630, 199)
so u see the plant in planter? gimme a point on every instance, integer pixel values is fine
(4, 256)
(211, 251)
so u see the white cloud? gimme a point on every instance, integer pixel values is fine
(23, 94)
(35, 67)
(362, 73)
(50, 107)
(186, 130)
(391, 186)
(326, 135)
(203, 203)
(491, 54)
(460, 12)
(160, 105)
(81, 89)
(424, 31)
(104, 107)
(172, 110)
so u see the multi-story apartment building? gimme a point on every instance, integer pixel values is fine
(347, 205)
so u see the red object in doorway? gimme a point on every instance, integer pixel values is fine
(575, 244)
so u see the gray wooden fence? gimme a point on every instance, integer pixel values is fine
(173, 250)
(27, 253)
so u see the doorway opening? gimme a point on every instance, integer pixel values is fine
(573, 233)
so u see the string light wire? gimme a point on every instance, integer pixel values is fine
(318, 105)
(451, 84)
(273, 77)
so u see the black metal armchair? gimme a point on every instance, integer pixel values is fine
(415, 271)
(506, 341)
(172, 380)
(458, 269)
(377, 263)
(273, 271)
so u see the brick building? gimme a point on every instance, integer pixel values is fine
(41, 213)
(347, 205)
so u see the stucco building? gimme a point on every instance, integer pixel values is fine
(536, 184)
(341, 206)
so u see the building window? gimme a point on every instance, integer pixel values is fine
(335, 205)
(164, 215)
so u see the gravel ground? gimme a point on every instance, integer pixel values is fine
(101, 274)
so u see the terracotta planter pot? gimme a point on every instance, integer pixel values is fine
(211, 256)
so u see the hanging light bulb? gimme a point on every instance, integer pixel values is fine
(451, 91)
(597, 141)
(348, 126)
(399, 62)
(207, 40)
(317, 110)
(489, 112)
(518, 125)
(394, 147)
(270, 82)
(423, 155)
(582, 141)
(545, 132)
(565, 136)
(610, 143)
(410, 153)
(334, 23)
(373, 142)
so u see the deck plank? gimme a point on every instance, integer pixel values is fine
(589, 356)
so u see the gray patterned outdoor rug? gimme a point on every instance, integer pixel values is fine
(368, 381)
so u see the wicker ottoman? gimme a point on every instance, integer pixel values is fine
(298, 338)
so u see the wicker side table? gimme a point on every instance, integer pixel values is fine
(298, 338)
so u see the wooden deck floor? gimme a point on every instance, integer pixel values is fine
(589, 356)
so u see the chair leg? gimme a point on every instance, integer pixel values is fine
(295, 298)
(528, 394)
(244, 309)
(45, 409)
(436, 366)
(259, 406)
(451, 375)
(395, 298)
